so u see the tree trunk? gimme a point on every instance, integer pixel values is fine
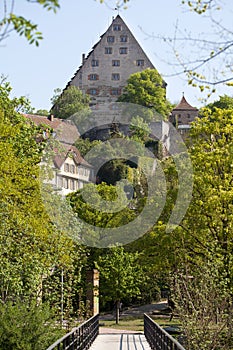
(118, 311)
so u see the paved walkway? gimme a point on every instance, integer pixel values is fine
(121, 341)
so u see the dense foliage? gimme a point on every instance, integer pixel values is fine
(148, 89)
(69, 102)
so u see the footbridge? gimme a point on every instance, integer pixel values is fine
(90, 336)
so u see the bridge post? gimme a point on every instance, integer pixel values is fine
(93, 291)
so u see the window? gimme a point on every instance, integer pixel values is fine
(115, 76)
(116, 92)
(93, 77)
(59, 182)
(123, 38)
(86, 172)
(117, 27)
(65, 183)
(116, 63)
(108, 50)
(93, 91)
(80, 171)
(140, 62)
(66, 167)
(95, 63)
(123, 50)
(110, 39)
(72, 168)
(72, 185)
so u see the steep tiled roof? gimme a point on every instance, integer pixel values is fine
(184, 105)
(117, 19)
(69, 151)
(39, 120)
(66, 131)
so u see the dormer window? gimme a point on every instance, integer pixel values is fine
(66, 167)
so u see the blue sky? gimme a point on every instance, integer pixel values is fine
(36, 71)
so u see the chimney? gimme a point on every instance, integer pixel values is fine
(83, 58)
(51, 117)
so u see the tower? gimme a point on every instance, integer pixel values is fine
(182, 115)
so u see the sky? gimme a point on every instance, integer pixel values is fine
(35, 72)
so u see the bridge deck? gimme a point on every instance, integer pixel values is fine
(122, 341)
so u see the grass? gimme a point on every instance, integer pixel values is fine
(136, 323)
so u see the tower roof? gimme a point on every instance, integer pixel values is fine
(184, 105)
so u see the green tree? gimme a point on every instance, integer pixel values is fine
(42, 112)
(148, 89)
(21, 25)
(224, 102)
(207, 233)
(69, 102)
(27, 327)
(85, 145)
(120, 276)
(30, 244)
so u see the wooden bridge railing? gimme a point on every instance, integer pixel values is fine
(158, 338)
(80, 338)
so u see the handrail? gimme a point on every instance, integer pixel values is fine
(158, 338)
(80, 338)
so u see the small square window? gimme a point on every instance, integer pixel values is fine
(123, 50)
(108, 50)
(92, 91)
(117, 27)
(115, 76)
(115, 92)
(140, 62)
(95, 63)
(116, 63)
(93, 77)
(123, 38)
(110, 39)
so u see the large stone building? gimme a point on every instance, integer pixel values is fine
(105, 70)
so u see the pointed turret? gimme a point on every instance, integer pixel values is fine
(183, 114)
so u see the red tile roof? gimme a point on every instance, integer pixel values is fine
(67, 151)
(184, 105)
(66, 131)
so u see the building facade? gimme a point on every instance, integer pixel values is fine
(70, 171)
(105, 70)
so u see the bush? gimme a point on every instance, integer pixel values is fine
(27, 327)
